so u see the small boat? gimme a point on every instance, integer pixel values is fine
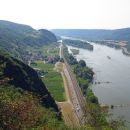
(108, 57)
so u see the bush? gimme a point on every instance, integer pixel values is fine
(91, 97)
(82, 63)
(20, 110)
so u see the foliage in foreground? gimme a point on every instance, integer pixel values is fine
(21, 110)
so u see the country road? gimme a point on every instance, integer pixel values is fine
(77, 98)
(66, 107)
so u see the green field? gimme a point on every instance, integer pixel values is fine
(53, 80)
(44, 51)
(45, 67)
(54, 83)
(51, 50)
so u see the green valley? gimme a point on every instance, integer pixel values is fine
(43, 86)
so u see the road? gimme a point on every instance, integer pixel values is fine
(77, 97)
(70, 117)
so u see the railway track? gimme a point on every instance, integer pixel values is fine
(78, 100)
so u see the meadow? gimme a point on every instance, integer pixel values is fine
(53, 80)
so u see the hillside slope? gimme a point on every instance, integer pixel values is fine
(95, 34)
(15, 38)
(20, 75)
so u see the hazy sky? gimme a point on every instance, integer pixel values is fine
(107, 14)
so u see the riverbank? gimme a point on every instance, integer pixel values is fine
(75, 51)
(94, 113)
(78, 44)
(115, 71)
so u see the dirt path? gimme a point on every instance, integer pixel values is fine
(67, 92)
(68, 114)
(66, 107)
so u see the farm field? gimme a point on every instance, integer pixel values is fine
(51, 50)
(53, 80)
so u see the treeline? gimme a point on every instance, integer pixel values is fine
(95, 34)
(112, 44)
(84, 75)
(78, 43)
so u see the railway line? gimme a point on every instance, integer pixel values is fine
(77, 97)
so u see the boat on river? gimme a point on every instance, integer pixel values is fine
(108, 57)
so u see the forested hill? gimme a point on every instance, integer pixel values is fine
(15, 73)
(95, 34)
(15, 38)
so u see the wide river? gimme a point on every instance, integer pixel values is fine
(112, 71)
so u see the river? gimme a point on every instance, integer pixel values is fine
(112, 70)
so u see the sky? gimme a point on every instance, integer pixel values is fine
(57, 14)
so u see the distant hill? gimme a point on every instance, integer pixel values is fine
(15, 38)
(95, 34)
(15, 73)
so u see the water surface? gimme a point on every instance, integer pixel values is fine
(112, 70)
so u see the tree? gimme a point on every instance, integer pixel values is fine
(82, 63)
(19, 110)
